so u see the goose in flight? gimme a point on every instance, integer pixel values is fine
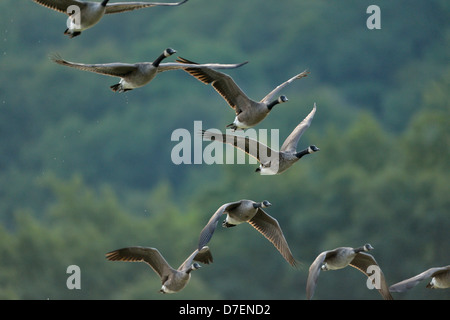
(248, 112)
(85, 14)
(251, 212)
(271, 161)
(135, 75)
(440, 279)
(340, 258)
(173, 280)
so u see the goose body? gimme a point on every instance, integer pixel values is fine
(85, 14)
(248, 112)
(271, 161)
(173, 280)
(137, 75)
(340, 258)
(440, 279)
(248, 211)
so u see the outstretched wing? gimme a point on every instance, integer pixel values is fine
(202, 255)
(290, 144)
(270, 228)
(61, 5)
(313, 275)
(268, 98)
(210, 227)
(252, 147)
(362, 261)
(409, 283)
(176, 65)
(221, 82)
(151, 256)
(129, 6)
(117, 69)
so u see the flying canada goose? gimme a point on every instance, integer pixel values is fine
(340, 258)
(85, 14)
(136, 75)
(271, 161)
(252, 212)
(440, 279)
(173, 280)
(248, 112)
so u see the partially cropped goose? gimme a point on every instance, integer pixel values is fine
(440, 279)
(251, 212)
(173, 280)
(248, 112)
(135, 75)
(340, 258)
(85, 14)
(271, 161)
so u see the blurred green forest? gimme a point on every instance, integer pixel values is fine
(85, 171)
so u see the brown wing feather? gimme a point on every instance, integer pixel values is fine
(250, 146)
(60, 5)
(270, 228)
(362, 261)
(220, 81)
(151, 256)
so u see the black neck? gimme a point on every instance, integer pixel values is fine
(105, 2)
(360, 249)
(272, 104)
(257, 205)
(158, 60)
(188, 270)
(302, 153)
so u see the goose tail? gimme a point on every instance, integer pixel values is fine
(71, 34)
(117, 87)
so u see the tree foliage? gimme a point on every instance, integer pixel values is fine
(84, 171)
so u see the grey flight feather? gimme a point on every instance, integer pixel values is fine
(271, 230)
(61, 5)
(151, 256)
(290, 144)
(115, 69)
(129, 6)
(208, 231)
(268, 98)
(175, 66)
(252, 147)
(202, 255)
(221, 82)
(362, 261)
(314, 271)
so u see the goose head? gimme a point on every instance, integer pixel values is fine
(265, 204)
(282, 99)
(312, 149)
(195, 266)
(169, 51)
(367, 247)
